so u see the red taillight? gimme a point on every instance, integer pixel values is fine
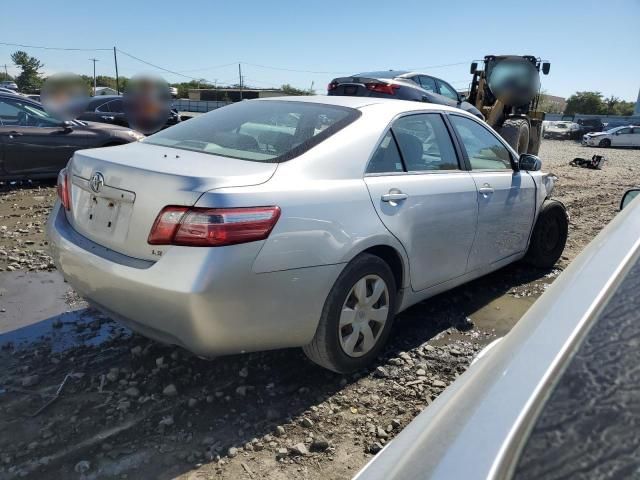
(332, 86)
(212, 227)
(388, 88)
(64, 189)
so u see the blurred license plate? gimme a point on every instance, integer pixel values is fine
(350, 90)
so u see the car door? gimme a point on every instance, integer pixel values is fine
(622, 137)
(34, 142)
(424, 197)
(635, 137)
(506, 198)
(116, 111)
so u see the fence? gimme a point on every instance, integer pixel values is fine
(634, 119)
(198, 106)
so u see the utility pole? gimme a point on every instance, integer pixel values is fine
(5, 70)
(94, 60)
(115, 59)
(240, 75)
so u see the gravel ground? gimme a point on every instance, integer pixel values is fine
(137, 409)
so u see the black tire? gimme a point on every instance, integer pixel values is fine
(325, 348)
(516, 133)
(535, 138)
(549, 235)
(606, 143)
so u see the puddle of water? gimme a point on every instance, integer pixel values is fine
(40, 306)
(500, 315)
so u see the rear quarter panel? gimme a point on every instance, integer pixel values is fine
(326, 212)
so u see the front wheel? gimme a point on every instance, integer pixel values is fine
(605, 143)
(357, 316)
(549, 235)
(516, 133)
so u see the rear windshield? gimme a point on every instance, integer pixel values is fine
(260, 131)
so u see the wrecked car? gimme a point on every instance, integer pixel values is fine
(238, 231)
(562, 131)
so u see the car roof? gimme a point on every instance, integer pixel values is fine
(390, 104)
(105, 98)
(15, 96)
(625, 126)
(382, 74)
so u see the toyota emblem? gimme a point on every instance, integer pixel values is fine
(97, 182)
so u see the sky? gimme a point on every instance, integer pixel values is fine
(592, 45)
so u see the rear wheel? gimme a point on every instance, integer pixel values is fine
(516, 132)
(549, 235)
(357, 316)
(605, 143)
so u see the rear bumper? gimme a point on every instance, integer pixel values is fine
(207, 300)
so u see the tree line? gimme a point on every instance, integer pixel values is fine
(594, 103)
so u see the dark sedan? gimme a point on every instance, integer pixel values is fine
(33, 144)
(110, 109)
(402, 85)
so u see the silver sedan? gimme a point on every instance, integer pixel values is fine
(306, 221)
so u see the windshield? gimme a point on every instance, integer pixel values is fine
(261, 131)
(561, 125)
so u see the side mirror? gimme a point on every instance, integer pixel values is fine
(67, 125)
(474, 67)
(461, 97)
(628, 197)
(529, 162)
(546, 66)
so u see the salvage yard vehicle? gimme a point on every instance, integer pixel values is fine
(562, 131)
(556, 397)
(33, 144)
(110, 109)
(588, 125)
(229, 234)
(401, 85)
(628, 136)
(507, 92)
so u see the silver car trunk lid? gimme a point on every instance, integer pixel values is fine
(117, 192)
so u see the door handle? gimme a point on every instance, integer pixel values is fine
(486, 189)
(394, 196)
(106, 117)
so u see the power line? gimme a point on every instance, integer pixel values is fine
(468, 62)
(289, 69)
(210, 68)
(54, 48)
(155, 66)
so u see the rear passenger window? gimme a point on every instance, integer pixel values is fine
(484, 150)
(104, 108)
(425, 143)
(428, 83)
(387, 157)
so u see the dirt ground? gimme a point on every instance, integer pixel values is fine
(132, 408)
